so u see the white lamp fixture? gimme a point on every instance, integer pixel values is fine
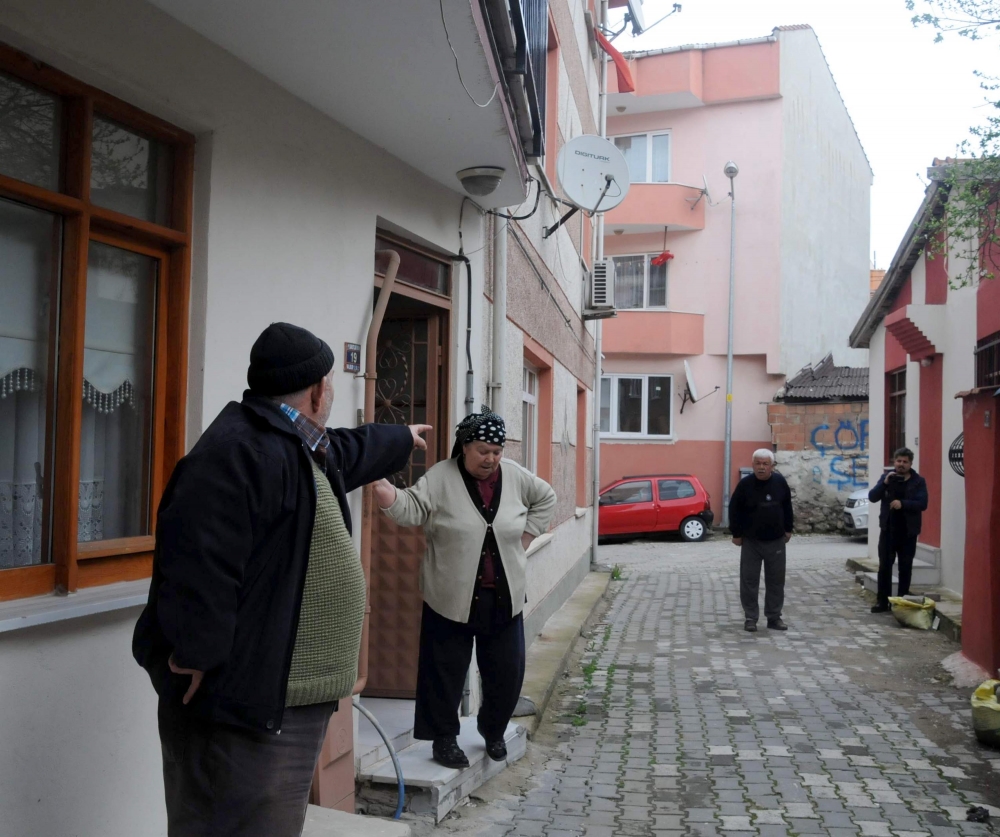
(480, 181)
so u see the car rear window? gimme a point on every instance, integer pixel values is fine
(675, 489)
(629, 492)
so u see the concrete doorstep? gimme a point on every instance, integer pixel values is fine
(433, 790)
(326, 822)
(948, 606)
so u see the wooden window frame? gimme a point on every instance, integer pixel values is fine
(72, 565)
(894, 439)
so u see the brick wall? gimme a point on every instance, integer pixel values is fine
(822, 450)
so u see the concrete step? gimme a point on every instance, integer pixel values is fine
(429, 787)
(396, 718)
(326, 822)
(924, 575)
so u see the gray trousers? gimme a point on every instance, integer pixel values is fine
(772, 555)
(225, 781)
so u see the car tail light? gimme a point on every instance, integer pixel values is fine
(708, 500)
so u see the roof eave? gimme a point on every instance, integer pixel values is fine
(902, 262)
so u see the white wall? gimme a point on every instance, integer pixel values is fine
(958, 376)
(826, 184)
(287, 203)
(81, 754)
(876, 428)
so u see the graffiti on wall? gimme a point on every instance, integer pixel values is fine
(844, 451)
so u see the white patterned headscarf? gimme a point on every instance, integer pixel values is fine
(484, 426)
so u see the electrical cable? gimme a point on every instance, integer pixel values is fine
(447, 34)
(534, 209)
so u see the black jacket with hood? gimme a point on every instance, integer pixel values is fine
(232, 546)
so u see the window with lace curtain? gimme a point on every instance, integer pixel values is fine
(94, 237)
(639, 283)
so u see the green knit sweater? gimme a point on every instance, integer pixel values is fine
(325, 659)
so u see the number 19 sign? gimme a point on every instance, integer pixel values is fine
(352, 357)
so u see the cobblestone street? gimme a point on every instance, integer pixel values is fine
(674, 721)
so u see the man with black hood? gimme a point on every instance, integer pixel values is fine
(253, 625)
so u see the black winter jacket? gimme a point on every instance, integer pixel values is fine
(232, 545)
(912, 494)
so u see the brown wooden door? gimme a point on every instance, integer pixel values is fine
(408, 391)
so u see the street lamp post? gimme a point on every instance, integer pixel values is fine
(730, 170)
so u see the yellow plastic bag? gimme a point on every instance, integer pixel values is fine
(913, 614)
(986, 713)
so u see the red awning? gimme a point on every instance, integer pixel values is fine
(625, 83)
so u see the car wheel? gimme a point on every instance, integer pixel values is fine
(693, 529)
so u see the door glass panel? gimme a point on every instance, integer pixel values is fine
(634, 149)
(116, 435)
(658, 410)
(628, 492)
(630, 405)
(415, 268)
(29, 271)
(130, 173)
(29, 133)
(661, 158)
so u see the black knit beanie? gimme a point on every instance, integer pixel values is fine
(286, 359)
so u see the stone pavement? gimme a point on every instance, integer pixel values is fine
(675, 721)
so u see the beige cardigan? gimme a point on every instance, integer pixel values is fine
(455, 530)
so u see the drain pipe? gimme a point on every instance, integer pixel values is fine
(499, 317)
(470, 393)
(367, 493)
(401, 793)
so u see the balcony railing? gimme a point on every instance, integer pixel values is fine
(520, 33)
(988, 361)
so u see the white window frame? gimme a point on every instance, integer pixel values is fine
(529, 418)
(649, 154)
(613, 432)
(645, 282)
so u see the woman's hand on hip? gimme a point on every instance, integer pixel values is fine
(526, 540)
(385, 493)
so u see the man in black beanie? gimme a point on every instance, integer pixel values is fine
(253, 625)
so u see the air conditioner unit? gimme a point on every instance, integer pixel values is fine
(602, 286)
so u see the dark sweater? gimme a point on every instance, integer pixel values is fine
(761, 510)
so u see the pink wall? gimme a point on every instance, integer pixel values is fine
(936, 283)
(702, 140)
(723, 74)
(988, 302)
(654, 332)
(669, 204)
(700, 458)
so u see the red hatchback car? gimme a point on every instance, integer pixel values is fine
(656, 503)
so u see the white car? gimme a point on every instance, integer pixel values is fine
(856, 512)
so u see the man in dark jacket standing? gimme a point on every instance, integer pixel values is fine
(760, 519)
(903, 494)
(253, 626)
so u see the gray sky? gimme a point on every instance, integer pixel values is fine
(910, 99)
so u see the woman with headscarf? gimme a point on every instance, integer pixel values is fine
(479, 513)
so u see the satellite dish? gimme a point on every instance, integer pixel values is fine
(593, 173)
(689, 375)
(636, 17)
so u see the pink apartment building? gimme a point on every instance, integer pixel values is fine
(802, 232)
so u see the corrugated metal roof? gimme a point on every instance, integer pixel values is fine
(826, 382)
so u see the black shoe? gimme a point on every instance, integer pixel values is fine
(446, 752)
(750, 625)
(776, 624)
(881, 608)
(496, 748)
